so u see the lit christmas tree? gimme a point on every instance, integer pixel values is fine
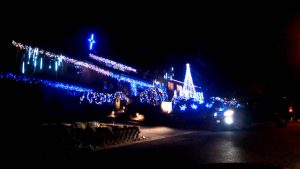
(188, 91)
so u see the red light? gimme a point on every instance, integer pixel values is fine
(291, 109)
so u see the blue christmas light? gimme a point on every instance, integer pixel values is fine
(55, 65)
(23, 67)
(208, 105)
(64, 86)
(183, 107)
(41, 64)
(154, 96)
(59, 61)
(101, 98)
(135, 83)
(194, 106)
(29, 54)
(188, 91)
(133, 89)
(69, 88)
(112, 64)
(92, 41)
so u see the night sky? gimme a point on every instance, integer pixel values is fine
(231, 47)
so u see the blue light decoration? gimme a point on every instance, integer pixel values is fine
(133, 89)
(188, 99)
(41, 63)
(23, 67)
(59, 60)
(35, 57)
(113, 64)
(194, 106)
(64, 86)
(102, 98)
(68, 88)
(55, 65)
(209, 105)
(92, 41)
(183, 107)
(199, 97)
(153, 96)
(220, 105)
(188, 91)
(34, 63)
(135, 83)
(29, 54)
(166, 76)
(175, 94)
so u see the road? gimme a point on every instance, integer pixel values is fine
(263, 145)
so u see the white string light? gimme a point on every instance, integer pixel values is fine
(87, 65)
(112, 64)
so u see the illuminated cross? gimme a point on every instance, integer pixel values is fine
(92, 41)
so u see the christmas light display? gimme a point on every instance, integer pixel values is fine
(177, 81)
(101, 98)
(112, 64)
(194, 106)
(23, 67)
(217, 98)
(107, 73)
(70, 89)
(175, 98)
(219, 105)
(92, 41)
(134, 82)
(35, 57)
(175, 94)
(188, 90)
(183, 107)
(199, 97)
(55, 65)
(153, 96)
(41, 64)
(133, 89)
(188, 99)
(209, 105)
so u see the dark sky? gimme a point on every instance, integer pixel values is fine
(230, 46)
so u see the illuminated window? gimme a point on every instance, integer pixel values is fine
(178, 88)
(170, 86)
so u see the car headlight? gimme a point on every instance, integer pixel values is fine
(228, 113)
(228, 120)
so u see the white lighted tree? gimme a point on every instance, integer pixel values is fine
(188, 90)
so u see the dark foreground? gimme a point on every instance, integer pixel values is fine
(260, 145)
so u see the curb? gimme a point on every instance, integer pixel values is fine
(141, 141)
